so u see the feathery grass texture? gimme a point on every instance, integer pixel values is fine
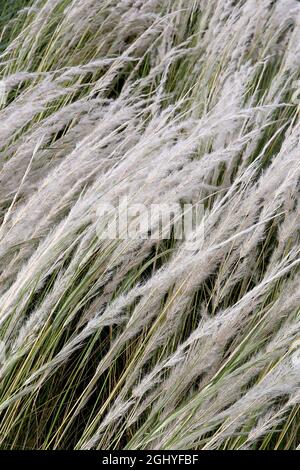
(141, 343)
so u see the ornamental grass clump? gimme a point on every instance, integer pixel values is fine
(146, 339)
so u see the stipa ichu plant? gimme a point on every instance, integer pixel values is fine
(144, 343)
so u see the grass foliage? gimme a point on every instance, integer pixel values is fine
(137, 343)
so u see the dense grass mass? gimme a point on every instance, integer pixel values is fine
(142, 343)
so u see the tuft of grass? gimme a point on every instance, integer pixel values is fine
(145, 343)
